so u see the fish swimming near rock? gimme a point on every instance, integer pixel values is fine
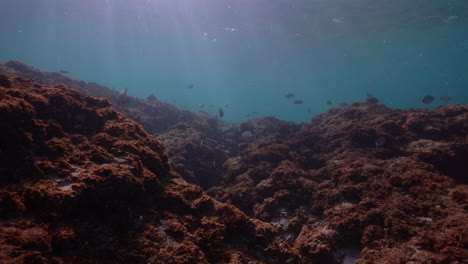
(226, 105)
(371, 99)
(289, 95)
(201, 105)
(329, 102)
(445, 98)
(220, 112)
(428, 99)
(298, 102)
(64, 72)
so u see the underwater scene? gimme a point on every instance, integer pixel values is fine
(245, 55)
(234, 131)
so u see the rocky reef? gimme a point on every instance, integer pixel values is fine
(198, 149)
(89, 185)
(156, 116)
(358, 184)
(362, 183)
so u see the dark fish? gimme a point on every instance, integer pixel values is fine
(211, 105)
(329, 102)
(190, 86)
(428, 99)
(342, 104)
(309, 110)
(151, 98)
(289, 95)
(226, 105)
(445, 98)
(298, 102)
(64, 72)
(201, 105)
(371, 99)
(220, 112)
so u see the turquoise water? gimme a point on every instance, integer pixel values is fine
(249, 53)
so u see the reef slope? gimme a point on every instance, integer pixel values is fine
(363, 182)
(82, 183)
(155, 116)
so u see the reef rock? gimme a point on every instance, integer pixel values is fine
(198, 149)
(362, 183)
(82, 183)
(155, 116)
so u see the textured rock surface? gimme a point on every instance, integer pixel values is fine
(155, 116)
(81, 183)
(198, 149)
(363, 183)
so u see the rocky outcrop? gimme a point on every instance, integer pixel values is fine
(198, 149)
(81, 183)
(155, 116)
(363, 183)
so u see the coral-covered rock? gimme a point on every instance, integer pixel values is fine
(363, 183)
(155, 116)
(198, 149)
(81, 183)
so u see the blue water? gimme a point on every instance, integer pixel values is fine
(249, 53)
